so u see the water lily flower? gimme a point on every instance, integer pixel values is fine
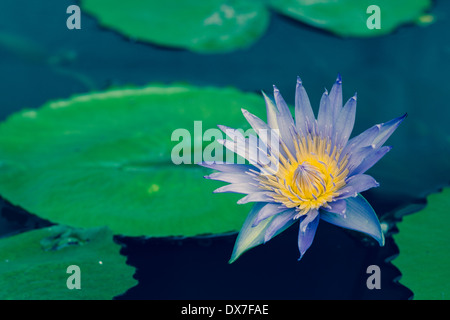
(320, 171)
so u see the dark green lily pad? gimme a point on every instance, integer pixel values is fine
(203, 26)
(348, 18)
(34, 265)
(105, 159)
(423, 241)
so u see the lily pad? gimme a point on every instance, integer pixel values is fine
(423, 240)
(104, 159)
(202, 26)
(348, 18)
(34, 265)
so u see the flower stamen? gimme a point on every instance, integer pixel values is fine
(309, 178)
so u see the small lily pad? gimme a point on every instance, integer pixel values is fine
(348, 18)
(423, 241)
(34, 265)
(105, 159)
(203, 26)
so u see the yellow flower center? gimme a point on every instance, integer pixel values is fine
(310, 178)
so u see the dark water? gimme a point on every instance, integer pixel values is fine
(47, 62)
(335, 267)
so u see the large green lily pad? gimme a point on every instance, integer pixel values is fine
(203, 26)
(348, 18)
(105, 159)
(423, 241)
(34, 265)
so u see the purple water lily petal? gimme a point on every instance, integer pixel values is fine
(269, 137)
(356, 184)
(386, 130)
(375, 136)
(339, 207)
(267, 211)
(279, 222)
(283, 109)
(256, 123)
(304, 116)
(256, 197)
(245, 188)
(359, 217)
(234, 134)
(231, 177)
(228, 167)
(370, 160)
(357, 156)
(242, 148)
(360, 141)
(361, 182)
(346, 192)
(307, 231)
(324, 120)
(271, 112)
(345, 121)
(249, 236)
(285, 121)
(335, 98)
